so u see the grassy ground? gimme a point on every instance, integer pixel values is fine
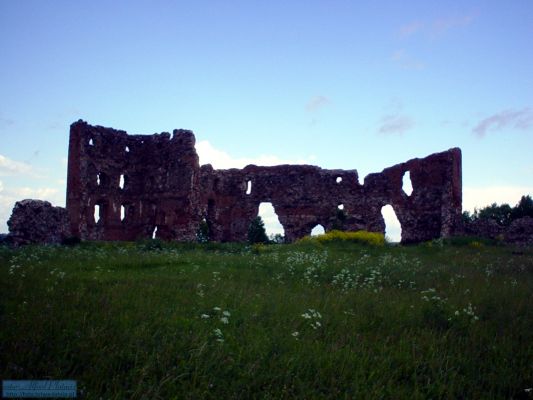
(152, 321)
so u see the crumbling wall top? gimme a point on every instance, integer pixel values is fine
(152, 184)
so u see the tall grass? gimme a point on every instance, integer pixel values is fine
(334, 320)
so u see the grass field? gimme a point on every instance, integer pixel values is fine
(342, 321)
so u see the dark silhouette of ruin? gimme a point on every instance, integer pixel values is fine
(145, 183)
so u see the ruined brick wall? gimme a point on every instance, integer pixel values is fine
(160, 175)
(37, 221)
(165, 187)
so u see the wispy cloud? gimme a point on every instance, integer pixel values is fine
(12, 167)
(5, 122)
(442, 25)
(410, 29)
(395, 124)
(507, 119)
(406, 61)
(316, 103)
(436, 27)
(394, 120)
(219, 159)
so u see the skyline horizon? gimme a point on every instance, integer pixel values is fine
(266, 210)
(338, 84)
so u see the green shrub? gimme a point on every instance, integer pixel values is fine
(150, 244)
(203, 234)
(256, 231)
(471, 241)
(363, 237)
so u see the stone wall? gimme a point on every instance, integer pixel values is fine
(138, 183)
(519, 232)
(164, 189)
(37, 221)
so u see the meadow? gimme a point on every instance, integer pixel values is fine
(153, 320)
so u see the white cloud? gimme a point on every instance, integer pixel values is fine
(12, 167)
(479, 197)
(219, 159)
(9, 196)
(34, 193)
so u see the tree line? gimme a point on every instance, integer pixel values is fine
(503, 214)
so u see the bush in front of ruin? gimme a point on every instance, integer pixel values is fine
(335, 236)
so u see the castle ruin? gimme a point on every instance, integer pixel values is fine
(141, 184)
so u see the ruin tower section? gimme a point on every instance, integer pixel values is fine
(434, 207)
(126, 187)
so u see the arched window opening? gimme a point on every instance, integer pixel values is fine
(249, 187)
(91, 142)
(273, 227)
(407, 186)
(339, 179)
(393, 228)
(127, 149)
(122, 212)
(317, 230)
(102, 179)
(211, 207)
(203, 234)
(121, 181)
(340, 207)
(154, 233)
(99, 213)
(96, 213)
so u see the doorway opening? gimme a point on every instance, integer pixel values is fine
(273, 227)
(317, 230)
(393, 228)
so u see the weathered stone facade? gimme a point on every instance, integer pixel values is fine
(37, 221)
(142, 183)
(520, 232)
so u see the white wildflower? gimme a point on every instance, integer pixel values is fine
(219, 335)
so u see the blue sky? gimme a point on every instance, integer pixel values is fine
(340, 84)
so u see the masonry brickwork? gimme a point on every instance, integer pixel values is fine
(145, 183)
